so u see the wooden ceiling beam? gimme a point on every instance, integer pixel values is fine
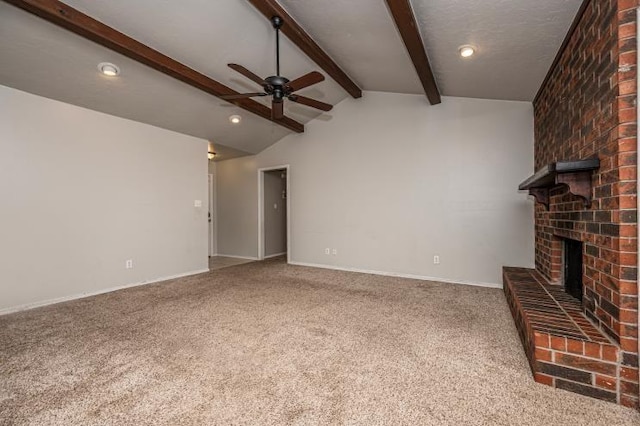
(408, 27)
(77, 22)
(299, 37)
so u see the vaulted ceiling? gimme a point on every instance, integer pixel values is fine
(516, 42)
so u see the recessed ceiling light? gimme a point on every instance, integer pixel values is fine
(108, 69)
(466, 51)
(235, 119)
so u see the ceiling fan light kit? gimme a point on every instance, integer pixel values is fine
(279, 87)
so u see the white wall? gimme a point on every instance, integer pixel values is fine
(390, 181)
(81, 192)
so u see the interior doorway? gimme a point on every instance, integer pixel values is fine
(274, 212)
(213, 249)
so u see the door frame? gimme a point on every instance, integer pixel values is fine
(212, 229)
(261, 229)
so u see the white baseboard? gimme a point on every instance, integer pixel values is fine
(275, 255)
(33, 305)
(398, 274)
(237, 257)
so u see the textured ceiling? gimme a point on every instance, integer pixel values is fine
(516, 40)
(361, 36)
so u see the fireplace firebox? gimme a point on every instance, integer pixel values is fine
(573, 268)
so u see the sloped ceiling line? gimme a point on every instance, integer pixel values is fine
(77, 22)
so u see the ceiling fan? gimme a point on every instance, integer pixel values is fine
(279, 87)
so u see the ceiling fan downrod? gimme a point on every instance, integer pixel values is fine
(277, 22)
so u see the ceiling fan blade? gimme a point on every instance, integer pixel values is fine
(242, 96)
(242, 70)
(277, 110)
(310, 102)
(305, 81)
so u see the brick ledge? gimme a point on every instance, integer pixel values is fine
(565, 350)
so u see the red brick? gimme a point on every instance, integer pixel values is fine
(610, 353)
(575, 346)
(558, 343)
(543, 378)
(630, 288)
(627, 30)
(592, 349)
(606, 382)
(541, 340)
(627, 58)
(628, 87)
(629, 330)
(629, 388)
(628, 259)
(627, 173)
(542, 355)
(628, 244)
(628, 344)
(629, 374)
(628, 202)
(628, 144)
(627, 115)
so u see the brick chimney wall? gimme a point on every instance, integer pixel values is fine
(587, 109)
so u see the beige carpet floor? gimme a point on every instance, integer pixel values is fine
(267, 343)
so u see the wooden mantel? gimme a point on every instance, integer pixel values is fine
(574, 174)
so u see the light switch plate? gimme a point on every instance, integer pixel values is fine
(197, 203)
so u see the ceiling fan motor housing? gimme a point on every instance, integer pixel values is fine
(276, 86)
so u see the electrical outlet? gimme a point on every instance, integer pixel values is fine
(197, 203)
(436, 260)
(327, 251)
(334, 252)
(129, 264)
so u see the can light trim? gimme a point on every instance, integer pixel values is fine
(466, 51)
(108, 69)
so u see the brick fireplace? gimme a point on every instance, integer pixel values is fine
(586, 342)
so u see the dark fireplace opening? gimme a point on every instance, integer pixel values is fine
(573, 268)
